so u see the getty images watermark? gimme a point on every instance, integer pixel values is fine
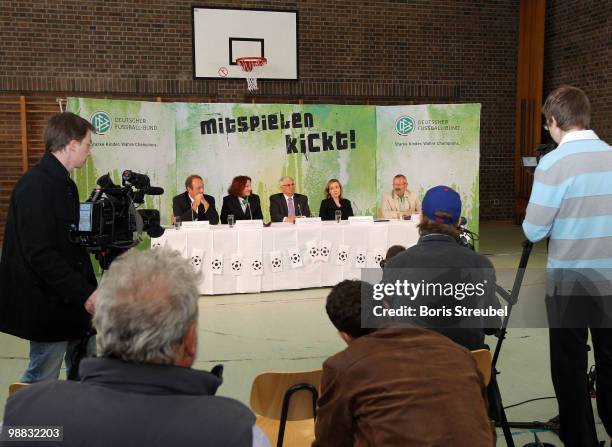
(423, 290)
(431, 297)
(471, 298)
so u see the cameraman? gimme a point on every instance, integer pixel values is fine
(571, 203)
(438, 258)
(47, 284)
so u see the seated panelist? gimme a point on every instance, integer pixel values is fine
(334, 202)
(287, 205)
(193, 204)
(240, 201)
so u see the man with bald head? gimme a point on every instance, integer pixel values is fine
(287, 205)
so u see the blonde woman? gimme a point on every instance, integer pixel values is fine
(334, 202)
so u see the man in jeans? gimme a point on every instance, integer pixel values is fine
(571, 203)
(46, 281)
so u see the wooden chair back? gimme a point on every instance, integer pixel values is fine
(483, 363)
(269, 389)
(14, 387)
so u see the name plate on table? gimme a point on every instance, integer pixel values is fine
(360, 219)
(308, 221)
(249, 223)
(196, 225)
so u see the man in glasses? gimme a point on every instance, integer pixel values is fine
(287, 205)
(571, 204)
(400, 203)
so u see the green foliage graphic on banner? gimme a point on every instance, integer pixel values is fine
(311, 143)
(436, 144)
(362, 146)
(130, 135)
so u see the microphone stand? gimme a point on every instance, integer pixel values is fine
(248, 204)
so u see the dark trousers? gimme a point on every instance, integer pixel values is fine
(570, 319)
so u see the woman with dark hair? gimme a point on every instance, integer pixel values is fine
(334, 202)
(240, 202)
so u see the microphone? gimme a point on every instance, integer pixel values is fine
(248, 204)
(299, 209)
(154, 191)
(95, 195)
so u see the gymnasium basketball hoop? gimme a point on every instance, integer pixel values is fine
(248, 64)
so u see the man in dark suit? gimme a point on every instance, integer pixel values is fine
(193, 204)
(46, 281)
(287, 205)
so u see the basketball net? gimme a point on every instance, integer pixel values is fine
(248, 64)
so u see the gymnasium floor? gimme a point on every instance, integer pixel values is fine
(289, 330)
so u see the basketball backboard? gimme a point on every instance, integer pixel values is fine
(221, 35)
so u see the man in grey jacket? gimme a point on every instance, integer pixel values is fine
(142, 391)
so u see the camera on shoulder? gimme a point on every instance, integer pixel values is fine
(109, 223)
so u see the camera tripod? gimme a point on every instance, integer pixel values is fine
(511, 297)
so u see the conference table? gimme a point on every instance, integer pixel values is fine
(250, 258)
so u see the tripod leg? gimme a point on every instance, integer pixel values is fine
(499, 414)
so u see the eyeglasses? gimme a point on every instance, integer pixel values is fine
(289, 184)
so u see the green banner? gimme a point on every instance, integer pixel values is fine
(362, 146)
(311, 143)
(130, 135)
(436, 144)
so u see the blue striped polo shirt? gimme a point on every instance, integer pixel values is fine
(571, 201)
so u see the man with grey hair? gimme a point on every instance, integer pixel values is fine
(287, 205)
(400, 203)
(142, 390)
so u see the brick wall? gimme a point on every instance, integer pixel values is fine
(376, 52)
(578, 51)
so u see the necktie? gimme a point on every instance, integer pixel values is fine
(243, 204)
(290, 207)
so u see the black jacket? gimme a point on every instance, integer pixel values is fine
(181, 207)
(438, 258)
(278, 206)
(328, 209)
(231, 205)
(126, 404)
(44, 278)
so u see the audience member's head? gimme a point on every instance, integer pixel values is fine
(441, 212)
(343, 307)
(567, 108)
(392, 251)
(147, 309)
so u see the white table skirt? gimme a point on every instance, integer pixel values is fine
(285, 256)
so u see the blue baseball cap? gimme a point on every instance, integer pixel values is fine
(445, 199)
